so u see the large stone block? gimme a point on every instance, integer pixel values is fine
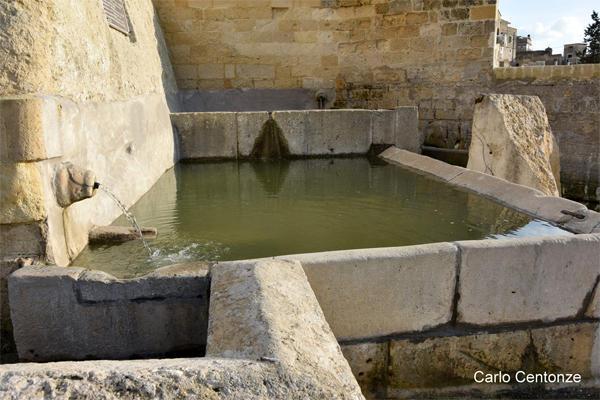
(249, 126)
(23, 240)
(21, 130)
(407, 133)
(378, 292)
(334, 132)
(533, 279)
(68, 313)
(512, 140)
(206, 135)
(266, 308)
(21, 194)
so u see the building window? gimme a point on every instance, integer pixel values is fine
(116, 16)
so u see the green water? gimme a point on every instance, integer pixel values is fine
(240, 210)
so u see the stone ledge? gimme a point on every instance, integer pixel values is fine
(357, 289)
(518, 197)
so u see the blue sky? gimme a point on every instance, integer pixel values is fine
(549, 22)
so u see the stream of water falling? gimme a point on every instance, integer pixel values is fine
(127, 214)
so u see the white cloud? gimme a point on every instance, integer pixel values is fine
(556, 34)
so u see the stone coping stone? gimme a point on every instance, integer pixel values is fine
(266, 309)
(378, 292)
(527, 279)
(521, 198)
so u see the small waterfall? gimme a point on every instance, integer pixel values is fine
(127, 214)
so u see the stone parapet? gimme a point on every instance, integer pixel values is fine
(73, 314)
(549, 72)
(229, 135)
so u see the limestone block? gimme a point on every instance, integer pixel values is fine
(21, 133)
(67, 313)
(377, 292)
(266, 308)
(593, 310)
(384, 125)
(369, 364)
(7, 267)
(334, 132)
(512, 140)
(186, 378)
(408, 136)
(23, 240)
(566, 348)
(294, 126)
(249, 125)
(21, 194)
(206, 135)
(438, 362)
(532, 279)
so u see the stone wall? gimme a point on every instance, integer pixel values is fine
(366, 54)
(73, 90)
(570, 95)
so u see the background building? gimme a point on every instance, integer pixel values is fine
(571, 51)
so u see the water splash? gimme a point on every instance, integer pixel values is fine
(127, 214)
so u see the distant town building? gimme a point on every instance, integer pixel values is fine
(524, 43)
(571, 50)
(538, 57)
(506, 44)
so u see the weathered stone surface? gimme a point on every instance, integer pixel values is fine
(294, 125)
(452, 361)
(23, 240)
(593, 310)
(70, 314)
(333, 132)
(21, 193)
(358, 288)
(21, 135)
(512, 140)
(119, 234)
(532, 279)
(206, 135)
(369, 364)
(439, 366)
(184, 378)
(7, 343)
(31, 31)
(384, 127)
(566, 348)
(266, 308)
(407, 135)
(249, 125)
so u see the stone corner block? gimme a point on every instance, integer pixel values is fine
(407, 135)
(21, 194)
(21, 130)
(523, 280)
(266, 308)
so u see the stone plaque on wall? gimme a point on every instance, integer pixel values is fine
(115, 15)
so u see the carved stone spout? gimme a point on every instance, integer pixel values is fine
(73, 183)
